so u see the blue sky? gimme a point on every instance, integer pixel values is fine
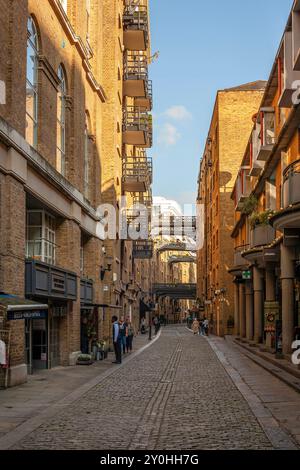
(203, 46)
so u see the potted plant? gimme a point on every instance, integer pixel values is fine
(250, 205)
(84, 360)
(261, 231)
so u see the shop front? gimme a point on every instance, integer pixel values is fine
(34, 315)
(45, 336)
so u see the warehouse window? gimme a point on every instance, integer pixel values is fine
(32, 83)
(40, 236)
(87, 157)
(61, 123)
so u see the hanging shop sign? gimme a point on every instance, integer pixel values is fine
(26, 314)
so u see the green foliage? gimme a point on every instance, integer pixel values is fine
(84, 358)
(250, 205)
(260, 218)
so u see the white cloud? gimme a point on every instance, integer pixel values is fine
(178, 113)
(168, 135)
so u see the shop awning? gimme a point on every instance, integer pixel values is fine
(19, 308)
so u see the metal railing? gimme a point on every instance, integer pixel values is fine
(137, 169)
(136, 18)
(145, 199)
(135, 67)
(136, 119)
(291, 184)
(142, 249)
(291, 170)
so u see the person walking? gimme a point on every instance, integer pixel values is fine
(195, 326)
(116, 340)
(156, 324)
(205, 326)
(143, 326)
(123, 332)
(129, 337)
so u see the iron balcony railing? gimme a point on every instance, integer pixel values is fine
(140, 100)
(135, 67)
(144, 199)
(142, 249)
(136, 119)
(136, 18)
(137, 169)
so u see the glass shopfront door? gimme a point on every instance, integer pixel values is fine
(39, 344)
(36, 344)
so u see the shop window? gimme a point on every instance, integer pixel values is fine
(40, 236)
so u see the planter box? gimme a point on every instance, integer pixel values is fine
(262, 235)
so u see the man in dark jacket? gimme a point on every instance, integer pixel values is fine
(116, 340)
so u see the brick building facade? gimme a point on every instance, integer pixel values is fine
(61, 156)
(266, 200)
(230, 125)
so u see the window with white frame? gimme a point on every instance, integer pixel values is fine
(64, 4)
(32, 83)
(40, 236)
(61, 123)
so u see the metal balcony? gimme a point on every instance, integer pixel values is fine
(145, 102)
(142, 249)
(243, 188)
(144, 199)
(136, 83)
(137, 127)
(256, 165)
(291, 185)
(136, 26)
(136, 174)
(45, 280)
(266, 138)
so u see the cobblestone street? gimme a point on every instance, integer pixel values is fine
(180, 393)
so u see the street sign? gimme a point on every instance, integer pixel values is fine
(246, 275)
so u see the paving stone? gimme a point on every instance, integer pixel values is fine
(174, 395)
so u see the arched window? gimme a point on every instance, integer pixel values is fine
(32, 83)
(61, 122)
(87, 156)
